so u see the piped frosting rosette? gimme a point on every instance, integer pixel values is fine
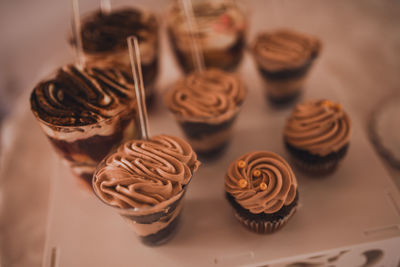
(146, 174)
(212, 96)
(285, 49)
(261, 182)
(78, 97)
(319, 127)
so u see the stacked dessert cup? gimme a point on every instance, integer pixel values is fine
(145, 181)
(206, 105)
(284, 58)
(85, 113)
(317, 136)
(104, 41)
(220, 31)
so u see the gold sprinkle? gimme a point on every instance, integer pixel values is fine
(327, 103)
(338, 107)
(242, 183)
(241, 164)
(263, 186)
(256, 173)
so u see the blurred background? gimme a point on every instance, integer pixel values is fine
(365, 32)
(363, 38)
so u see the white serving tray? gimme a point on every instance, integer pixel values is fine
(356, 209)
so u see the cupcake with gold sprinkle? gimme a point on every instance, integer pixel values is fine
(317, 135)
(262, 189)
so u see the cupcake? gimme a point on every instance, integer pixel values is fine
(220, 31)
(145, 182)
(206, 105)
(104, 41)
(85, 113)
(284, 58)
(317, 135)
(262, 190)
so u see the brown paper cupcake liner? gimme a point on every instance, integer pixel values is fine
(265, 227)
(314, 164)
(316, 169)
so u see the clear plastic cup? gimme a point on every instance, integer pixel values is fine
(221, 29)
(83, 147)
(209, 138)
(104, 42)
(85, 113)
(145, 182)
(154, 225)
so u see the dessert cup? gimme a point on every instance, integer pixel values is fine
(145, 182)
(104, 42)
(284, 58)
(220, 31)
(84, 114)
(206, 105)
(317, 136)
(262, 190)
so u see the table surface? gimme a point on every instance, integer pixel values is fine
(361, 49)
(355, 206)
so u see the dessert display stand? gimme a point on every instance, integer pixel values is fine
(349, 218)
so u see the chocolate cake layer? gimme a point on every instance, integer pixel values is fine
(285, 74)
(96, 147)
(196, 130)
(284, 100)
(213, 153)
(150, 72)
(227, 59)
(163, 235)
(306, 156)
(104, 32)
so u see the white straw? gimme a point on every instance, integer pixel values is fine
(134, 54)
(76, 28)
(105, 6)
(197, 55)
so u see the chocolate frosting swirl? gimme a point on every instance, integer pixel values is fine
(212, 95)
(103, 32)
(261, 182)
(283, 49)
(319, 127)
(144, 173)
(81, 97)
